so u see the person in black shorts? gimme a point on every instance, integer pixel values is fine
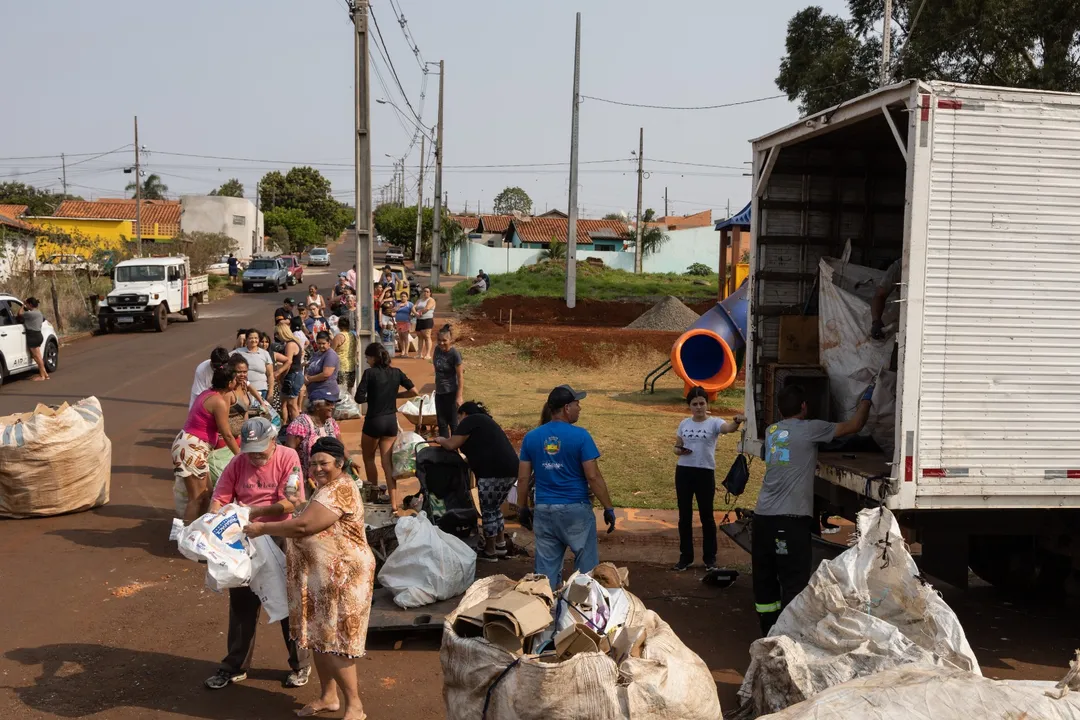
(32, 320)
(379, 388)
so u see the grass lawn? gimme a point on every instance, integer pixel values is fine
(549, 280)
(634, 431)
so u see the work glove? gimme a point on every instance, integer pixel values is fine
(877, 330)
(868, 394)
(609, 518)
(525, 517)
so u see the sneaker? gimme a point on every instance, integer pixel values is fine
(711, 566)
(298, 678)
(501, 550)
(682, 565)
(222, 678)
(483, 556)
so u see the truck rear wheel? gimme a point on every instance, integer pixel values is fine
(193, 310)
(161, 319)
(1016, 563)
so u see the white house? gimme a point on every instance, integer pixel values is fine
(236, 217)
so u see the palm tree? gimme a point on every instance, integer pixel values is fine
(152, 188)
(652, 238)
(556, 250)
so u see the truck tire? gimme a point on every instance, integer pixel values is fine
(1016, 564)
(50, 355)
(193, 309)
(161, 318)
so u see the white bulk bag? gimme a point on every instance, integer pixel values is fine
(428, 565)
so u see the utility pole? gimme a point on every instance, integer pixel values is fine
(138, 191)
(365, 325)
(419, 204)
(63, 179)
(665, 203)
(402, 182)
(886, 44)
(436, 221)
(640, 224)
(571, 236)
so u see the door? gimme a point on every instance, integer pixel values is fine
(13, 337)
(175, 285)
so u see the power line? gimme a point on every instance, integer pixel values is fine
(49, 157)
(409, 39)
(714, 107)
(61, 167)
(385, 52)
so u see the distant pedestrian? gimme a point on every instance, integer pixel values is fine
(234, 267)
(345, 346)
(424, 310)
(449, 381)
(320, 375)
(695, 476)
(563, 458)
(288, 307)
(403, 317)
(314, 299)
(32, 320)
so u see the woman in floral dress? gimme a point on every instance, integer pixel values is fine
(330, 576)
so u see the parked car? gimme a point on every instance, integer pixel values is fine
(69, 262)
(266, 274)
(14, 356)
(146, 290)
(294, 268)
(395, 254)
(318, 256)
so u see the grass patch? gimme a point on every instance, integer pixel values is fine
(220, 287)
(596, 283)
(634, 431)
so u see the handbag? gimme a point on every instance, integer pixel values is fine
(737, 476)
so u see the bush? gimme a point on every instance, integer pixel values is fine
(204, 249)
(699, 269)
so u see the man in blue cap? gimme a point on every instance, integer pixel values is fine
(562, 457)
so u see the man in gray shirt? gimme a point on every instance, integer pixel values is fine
(784, 516)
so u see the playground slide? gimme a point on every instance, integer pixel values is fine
(707, 354)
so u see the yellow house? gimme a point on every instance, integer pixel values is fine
(105, 225)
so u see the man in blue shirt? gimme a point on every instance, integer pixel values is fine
(234, 267)
(562, 458)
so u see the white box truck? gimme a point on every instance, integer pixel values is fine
(977, 190)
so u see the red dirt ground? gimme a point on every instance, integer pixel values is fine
(548, 311)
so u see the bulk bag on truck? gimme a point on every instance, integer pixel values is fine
(54, 460)
(482, 680)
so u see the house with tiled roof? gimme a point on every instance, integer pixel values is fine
(683, 222)
(18, 239)
(106, 224)
(536, 233)
(13, 212)
(468, 223)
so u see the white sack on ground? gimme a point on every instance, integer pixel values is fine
(54, 461)
(218, 539)
(668, 681)
(850, 357)
(915, 693)
(428, 565)
(863, 612)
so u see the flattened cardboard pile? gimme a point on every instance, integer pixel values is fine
(587, 616)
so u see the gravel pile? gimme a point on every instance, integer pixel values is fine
(668, 314)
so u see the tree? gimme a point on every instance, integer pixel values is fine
(513, 199)
(652, 238)
(556, 250)
(152, 188)
(398, 226)
(304, 188)
(279, 238)
(1015, 43)
(303, 232)
(616, 216)
(40, 203)
(204, 249)
(231, 188)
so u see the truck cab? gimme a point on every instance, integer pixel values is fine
(146, 290)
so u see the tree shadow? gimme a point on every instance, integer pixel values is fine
(158, 438)
(150, 535)
(144, 471)
(78, 680)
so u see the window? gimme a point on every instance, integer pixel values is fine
(6, 316)
(140, 273)
(239, 220)
(174, 274)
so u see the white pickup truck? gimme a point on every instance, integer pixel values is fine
(146, 290)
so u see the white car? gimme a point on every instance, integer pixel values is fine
(395, 254)
(318, 256)
(14, 355)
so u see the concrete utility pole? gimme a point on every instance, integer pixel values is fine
(886, 44)
(571, 236)
(138, 191)
(419, 205)
(436, 221)
(63, 178)
(665, 203)
(638, 254)
(365, 326)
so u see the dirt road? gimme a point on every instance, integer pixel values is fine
(102, 619)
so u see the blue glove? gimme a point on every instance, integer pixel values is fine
(609, 518)
(868, 394)
(525, 517)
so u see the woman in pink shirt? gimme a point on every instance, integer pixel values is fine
(207, 420)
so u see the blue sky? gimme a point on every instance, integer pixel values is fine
(272, 82)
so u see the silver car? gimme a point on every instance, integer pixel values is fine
(318, 256)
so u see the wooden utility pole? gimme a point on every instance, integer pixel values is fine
(436, 221)
(138, 191)
(638, 254)
(886, 44)
(365, 326)
(571, 235)
(419, 205)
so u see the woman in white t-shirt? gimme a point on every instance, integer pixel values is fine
(695, 476)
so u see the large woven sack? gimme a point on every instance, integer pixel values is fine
(667, 682)
(54, 461)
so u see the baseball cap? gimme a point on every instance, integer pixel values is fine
(563, 396)
(256, 435)
(323, 394)
(289, 301)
